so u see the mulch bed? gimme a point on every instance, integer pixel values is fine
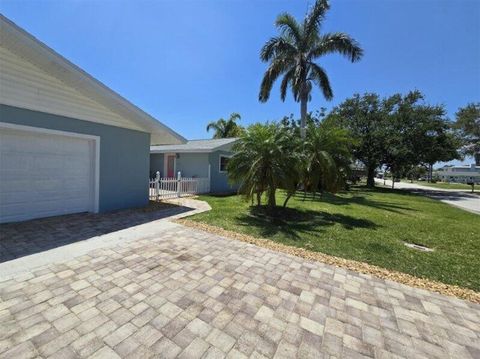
(410, 280)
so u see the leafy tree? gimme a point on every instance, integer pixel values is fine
(399, 125)
(416, 172)
(364, 118)
(418, 133)
(226, 128)
(439, 143)
(264, 160)
(468, 123)
(294, 53)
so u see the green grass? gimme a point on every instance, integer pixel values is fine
(369, 226)
(446, 185)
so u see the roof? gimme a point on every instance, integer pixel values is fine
(199, 146)
(27, 46)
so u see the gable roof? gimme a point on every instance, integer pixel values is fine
(199, 146)
(27, 46)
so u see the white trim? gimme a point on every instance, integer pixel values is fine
(181, 148)
(220, 162)
(182, 151)
(165, 164)
(95, 139)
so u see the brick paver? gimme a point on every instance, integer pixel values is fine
(189, 294)
(24, 238)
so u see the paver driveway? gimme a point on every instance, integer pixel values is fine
(181, 292)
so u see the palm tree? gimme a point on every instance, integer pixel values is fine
(264, 160)
(226, 128)
(327, 157)
(294, 52)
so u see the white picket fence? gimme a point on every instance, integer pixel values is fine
(164, 188)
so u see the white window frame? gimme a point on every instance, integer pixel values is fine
(220, 162)
(96, 147)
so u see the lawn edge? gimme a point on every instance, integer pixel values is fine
(361, 267)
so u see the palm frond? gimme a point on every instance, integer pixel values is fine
(213, 126)
(275, 69)
(289, 27)
(337, 42)
(286, 81)
(277, 47)
(234, 116)
(315, 17)
(319, 76)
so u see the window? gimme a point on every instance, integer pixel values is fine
(223, 163)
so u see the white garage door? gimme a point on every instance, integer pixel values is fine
(45, 174)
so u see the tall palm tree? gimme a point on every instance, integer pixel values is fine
(294, 52)
(226, 128)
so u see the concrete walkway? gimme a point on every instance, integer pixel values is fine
(458, 198)
(169, 291)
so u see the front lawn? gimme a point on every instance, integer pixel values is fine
(369, 226)
(445, 185)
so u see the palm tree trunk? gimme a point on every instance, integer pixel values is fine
(289, 195)
(272, 203)
(303, 115)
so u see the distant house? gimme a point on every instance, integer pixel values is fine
(197, 159)
(68, 143)
(460, 174)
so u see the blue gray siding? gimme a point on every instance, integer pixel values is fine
(190, 164)
(219, 180)
(124, 155)
(156, 164)
(196, 165)
(193, 164)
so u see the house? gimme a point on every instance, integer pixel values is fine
(68, 143)
(460, 174)
(198, 159)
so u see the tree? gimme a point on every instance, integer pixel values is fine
(294, 52)
(264, 160)
(327, 157)
(438, 143)
(468, 124)
(226, 128)
(416, 172)
(418, 133)
(363, 117)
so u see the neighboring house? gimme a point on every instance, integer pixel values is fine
(197, 159)
(460, 174)
(68, 143)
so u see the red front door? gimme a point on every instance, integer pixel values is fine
(171, 166)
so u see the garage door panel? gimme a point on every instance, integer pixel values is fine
(11, 198)
(14, 162)
(44, 175)
(9, 184)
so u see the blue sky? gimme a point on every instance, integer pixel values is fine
(191, 62)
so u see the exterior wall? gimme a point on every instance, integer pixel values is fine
(156, 164)
(192, 164)
(460, 174)
(219, 180)
(27, 86)
(124, 155)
